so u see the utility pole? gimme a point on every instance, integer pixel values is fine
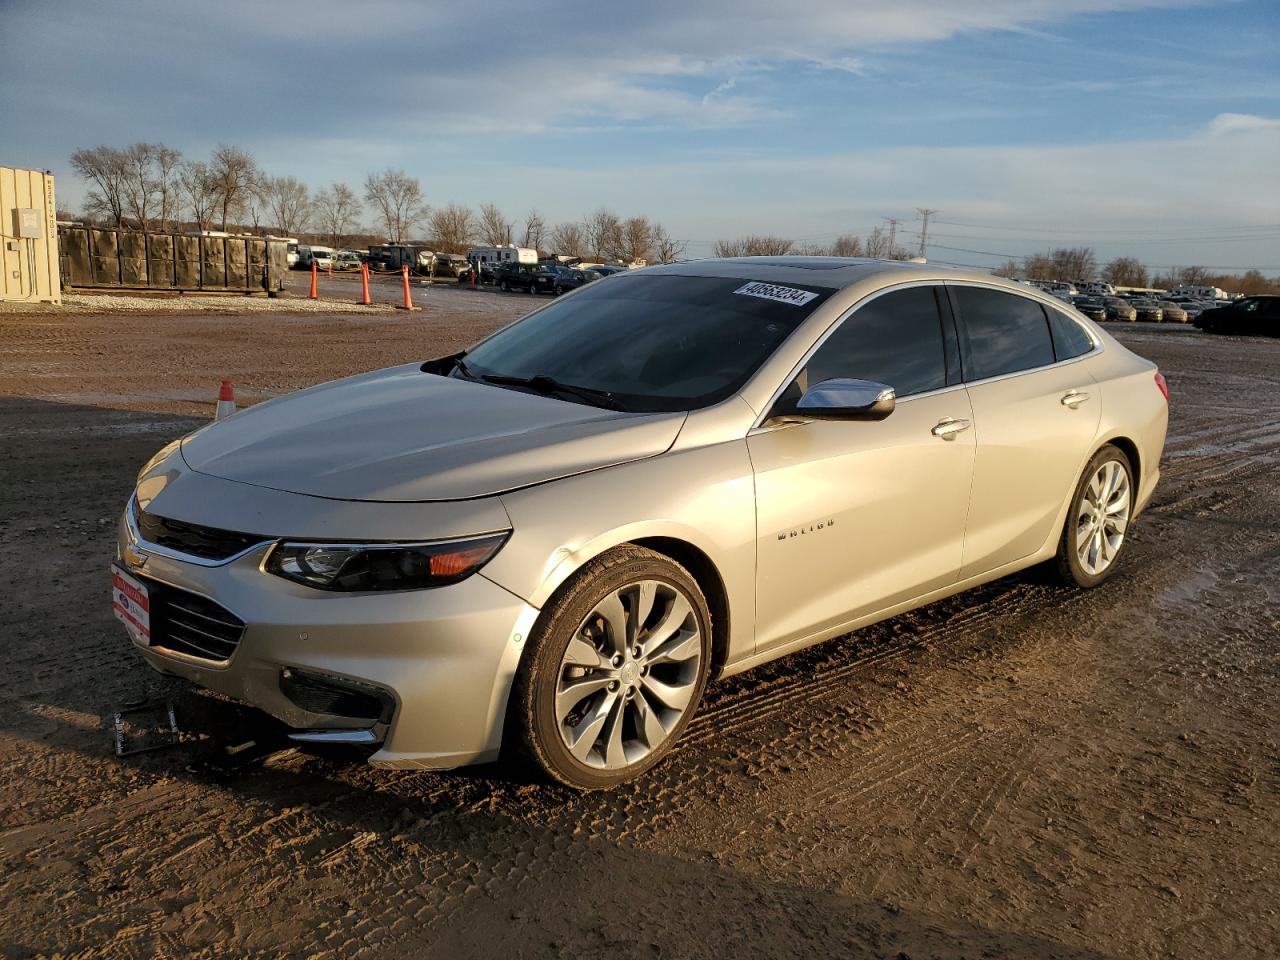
(925, 214)
(893, 233)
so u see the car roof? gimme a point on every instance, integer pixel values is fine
(833, 272)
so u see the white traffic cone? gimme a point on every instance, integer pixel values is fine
(226, 401)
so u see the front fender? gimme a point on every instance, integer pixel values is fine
(703, 496)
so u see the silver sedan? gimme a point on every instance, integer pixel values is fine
(545, 546)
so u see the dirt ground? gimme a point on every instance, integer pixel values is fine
(1020, 771)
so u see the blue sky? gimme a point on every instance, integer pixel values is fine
(1136, 126)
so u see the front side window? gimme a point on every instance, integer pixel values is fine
(1004, 333)
(652, 342)
(896, 339)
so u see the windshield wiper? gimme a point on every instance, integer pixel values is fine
(461, 367)
(541, 383)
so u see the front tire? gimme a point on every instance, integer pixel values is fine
(1097, 525)
(616, 667)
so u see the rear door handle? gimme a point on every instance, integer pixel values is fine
(948, 428)
(1073, 398)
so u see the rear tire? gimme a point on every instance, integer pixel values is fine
(593, 706)
(1097, 526)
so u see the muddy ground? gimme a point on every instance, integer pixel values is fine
(1020, 771)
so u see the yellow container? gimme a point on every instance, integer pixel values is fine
(28, 237)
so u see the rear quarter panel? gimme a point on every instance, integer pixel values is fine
(1133, 408)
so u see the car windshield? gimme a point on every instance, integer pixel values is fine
(651, 343)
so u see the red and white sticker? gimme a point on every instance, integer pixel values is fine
(131, 604)
(772, 291)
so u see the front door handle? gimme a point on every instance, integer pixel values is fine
(948, 428)
(1073, 398)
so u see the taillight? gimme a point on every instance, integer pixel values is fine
(1162, 384)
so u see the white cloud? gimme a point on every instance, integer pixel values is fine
(1229, 123)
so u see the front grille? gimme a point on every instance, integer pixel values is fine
(187, 623)
(208, 543)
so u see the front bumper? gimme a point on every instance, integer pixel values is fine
(443, 657)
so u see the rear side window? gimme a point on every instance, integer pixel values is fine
(896, 339)
(1069, 338)
(1004, 333)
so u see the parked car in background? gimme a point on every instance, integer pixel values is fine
(1097, 288)
(1091, 307)
(556, 279)
(608, 269)
(450, 266)
(1119, 309)
(1148, 311)
(545, 545)
(321, 257)
(347, 260)
(517, 276)
(1173, 313)
(1259, 316)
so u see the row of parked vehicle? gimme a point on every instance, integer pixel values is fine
(1247, 315)
(549, 278)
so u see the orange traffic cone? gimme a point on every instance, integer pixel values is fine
(364, 284)
(408, 297)
(226, 401)
(315, 273)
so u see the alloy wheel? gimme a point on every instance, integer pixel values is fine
(1103, 517)
(628, 674)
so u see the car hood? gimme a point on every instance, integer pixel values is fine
(404, 435)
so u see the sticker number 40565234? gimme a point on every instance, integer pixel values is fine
(771, 291)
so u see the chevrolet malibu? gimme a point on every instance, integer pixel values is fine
(546, 545)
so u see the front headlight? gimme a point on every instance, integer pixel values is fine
(352, 567)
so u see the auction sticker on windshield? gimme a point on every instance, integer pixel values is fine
(771, 291)
(131, 604)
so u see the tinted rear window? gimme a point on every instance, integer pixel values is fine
(653, 342)
(1004, 332)
(1069, 338)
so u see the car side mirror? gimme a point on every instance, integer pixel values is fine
(839, 399)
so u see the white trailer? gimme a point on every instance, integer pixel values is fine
(507, 253)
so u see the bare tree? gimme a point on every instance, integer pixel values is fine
(846, 245)
(166, 162)
(602, 234)
(535, 230)
(289, 203)
(397, 200)
(106, 169)
(1125, 272)
(1010, 269)
(1194, 276)
(494, 229)
(810, 248)
(257, 205)
(1074, 263)
(199, 189)
(636, 240)
(335, 209)
(754, 245)
(452, 228)
(139, 186)
(235, 175)
(1252, 282)
(666, 248)
(568, 239)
